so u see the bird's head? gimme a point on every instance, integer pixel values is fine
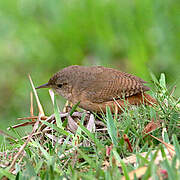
(61, 83)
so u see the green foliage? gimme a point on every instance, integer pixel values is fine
(56, 113)
(111, 126)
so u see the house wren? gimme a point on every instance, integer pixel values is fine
(97, 87)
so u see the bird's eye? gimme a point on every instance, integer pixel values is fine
(59, 85)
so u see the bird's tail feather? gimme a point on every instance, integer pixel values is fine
(149, 100)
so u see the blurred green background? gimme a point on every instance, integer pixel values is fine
(39, 37)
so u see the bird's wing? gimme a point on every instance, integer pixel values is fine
(108, 84)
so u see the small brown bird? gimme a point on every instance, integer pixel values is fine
(97, 87)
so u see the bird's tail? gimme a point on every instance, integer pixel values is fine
(148, 100)
(142, 98)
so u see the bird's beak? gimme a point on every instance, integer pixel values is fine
(43, 86)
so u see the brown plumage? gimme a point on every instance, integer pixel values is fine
(97, 87)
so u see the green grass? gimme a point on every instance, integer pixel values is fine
(41, 36)
(84, 155)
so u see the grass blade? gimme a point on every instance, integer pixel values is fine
(91, 136)
(112, 130)
(176, 145)
(125, 171)
(60, 130)
(74, 108)
(56, 113)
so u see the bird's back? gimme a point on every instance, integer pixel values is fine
(100, 84)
